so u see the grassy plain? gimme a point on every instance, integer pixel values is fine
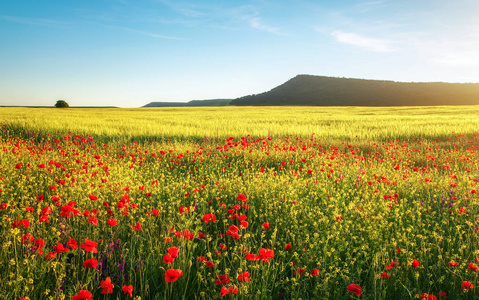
(312, 203)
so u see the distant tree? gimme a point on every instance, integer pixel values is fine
(62, 104)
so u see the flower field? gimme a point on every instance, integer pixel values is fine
(226, 211)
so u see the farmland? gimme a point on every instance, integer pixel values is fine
(240, 203)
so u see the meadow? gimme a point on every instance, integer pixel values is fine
(239, 203)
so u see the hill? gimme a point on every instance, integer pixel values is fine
(312, 90)
(212, 102)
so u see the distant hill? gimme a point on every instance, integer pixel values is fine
(212, 102)
(332, 91)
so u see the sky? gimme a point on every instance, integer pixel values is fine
(128, 53)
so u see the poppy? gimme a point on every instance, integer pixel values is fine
(265, 225)
(472, 266)
(93, 221)
(89, 246)
(314, 272)
(384, 275)
(224, 291)
(172, 275)
(222, 279)
(173, 251)
(241, 197)
(354, 288)
(83, 295)
(128, 290)
(427, 296)
(112, 222)
(415, 263)
(467, 285)
(137, 226)
(90, 263)
(244, 277)
(210, 264)
(168, 259)
(72, 244)
(93, 197)
(442, 294)
(453, 263)
(60, 249)
(107, 286)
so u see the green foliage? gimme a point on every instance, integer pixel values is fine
(61, 104)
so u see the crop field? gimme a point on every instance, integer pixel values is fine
(239, 203)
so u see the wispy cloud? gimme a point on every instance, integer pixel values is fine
(146, 33)
(373, 44)
(32, 21)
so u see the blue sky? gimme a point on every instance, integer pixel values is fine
(130, 52)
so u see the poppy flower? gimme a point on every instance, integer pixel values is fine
(415, 263)
(93, 197)
(60, 249)
(172, 275)
(173, 251)
(137, 226)
(453, 263)
(265, 225)
(467, 285)
(472, 266)
(265, 254)
(209, 217)
(168, 259)
(112, 222)
(392, 264)
(442, 294)
(107, 286)
(93, 221)
(72, 244)
(89, 246)
(354, 288)
(244, 224)
(210, 264)
(222, 279)
(128, 290)
(427, 296)
(90, 263)
(287, 247)
(384, 275)
(224, 291)
(241, 197)
(83, 295)
(244, 277)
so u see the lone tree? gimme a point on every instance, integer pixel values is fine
(62, 104)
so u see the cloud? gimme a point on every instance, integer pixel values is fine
(377, 45)
(256, 23)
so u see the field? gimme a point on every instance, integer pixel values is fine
(239, 203)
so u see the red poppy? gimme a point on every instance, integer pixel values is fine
(137, 226)
(453, 263)
(83, 295)
(314, 272)
(93, 221)
(300, 271)
(415, 263)
(392, 264)
(224, 291)
(467, 285)
(223, 247)
(244, 224)
(244, 277)
(93, 197)
(354, 288)
(128, 290)
(287, 247)
(472, 266)
(72, 244)
(265, 225)
(266, 254)
(89, 246)
(90, 263)
(442, 294)
(107, 286)
(210, 264)
(427, 296)
(384, 275)
(60, 249)
(168, 259)
(173, 251)
(241, 197)
(112, 222)
(209, 217)
(172, 275)
(222, 279)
